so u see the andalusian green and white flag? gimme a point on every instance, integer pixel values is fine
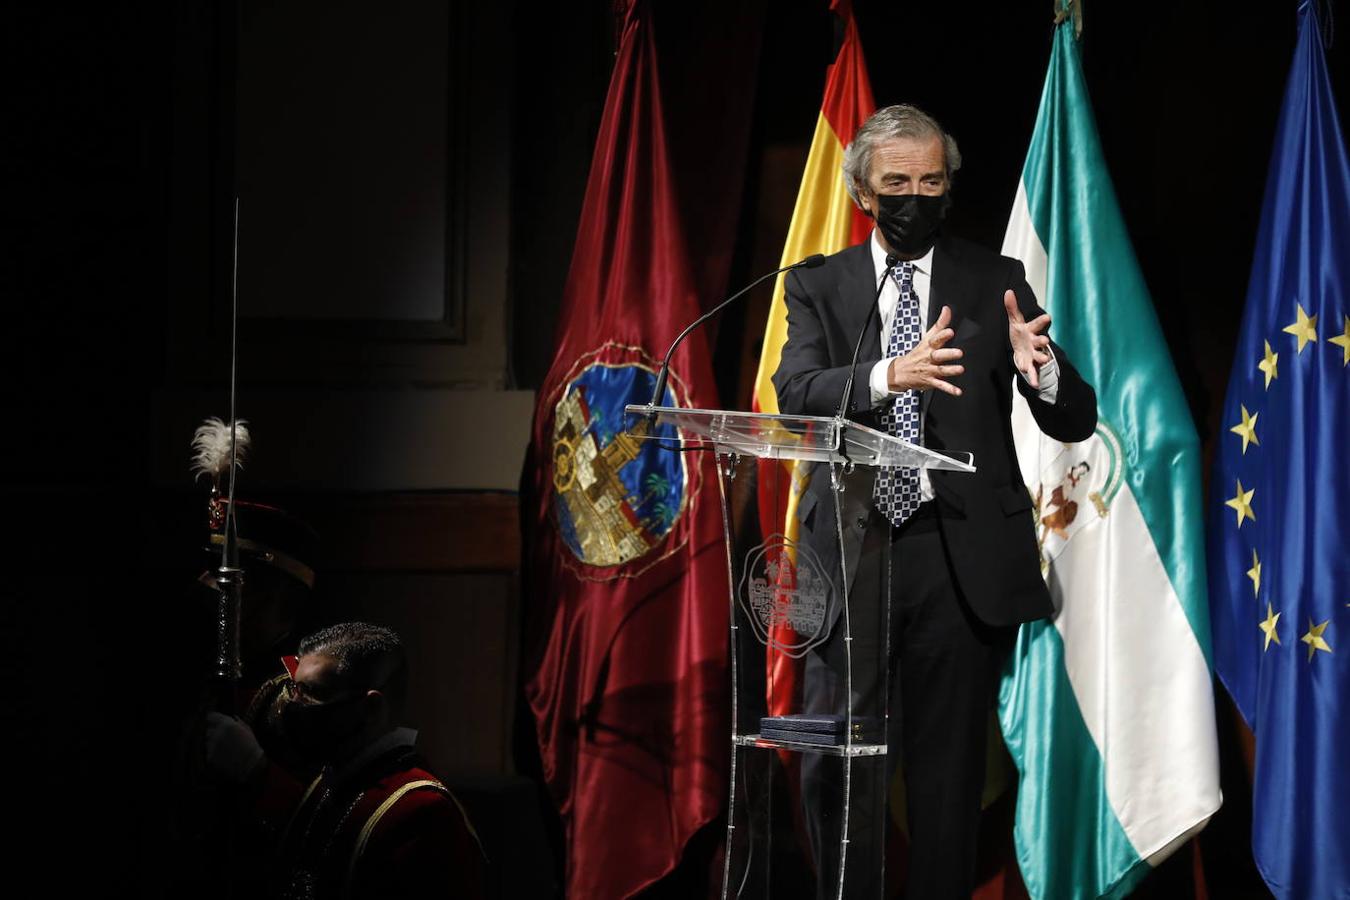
(1108, 708)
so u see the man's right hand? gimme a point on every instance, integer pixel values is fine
(929, 363)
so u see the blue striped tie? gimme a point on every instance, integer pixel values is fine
(897, 489)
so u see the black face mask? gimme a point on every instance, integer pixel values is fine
(910, 222)
(318, 731)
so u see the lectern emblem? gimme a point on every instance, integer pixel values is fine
(616, 496)
(784, 584)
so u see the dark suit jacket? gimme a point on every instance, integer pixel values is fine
(985, 517)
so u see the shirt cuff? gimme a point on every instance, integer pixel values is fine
(1048, 376)
(880, 388)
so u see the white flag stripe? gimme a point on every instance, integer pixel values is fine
(1021, 242)
(1139, 675)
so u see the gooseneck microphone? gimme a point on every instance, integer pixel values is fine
(891, 260)
(810, 262)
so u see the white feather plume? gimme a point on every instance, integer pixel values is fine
(211, 447)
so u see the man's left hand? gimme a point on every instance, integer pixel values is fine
(1028, 339)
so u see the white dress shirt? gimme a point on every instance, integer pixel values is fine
(1048, 374)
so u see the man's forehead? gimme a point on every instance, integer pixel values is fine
(315, 668)
(909, 152)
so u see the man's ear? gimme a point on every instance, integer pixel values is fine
(867, 200)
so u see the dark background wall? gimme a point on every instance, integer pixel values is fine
(121, 142)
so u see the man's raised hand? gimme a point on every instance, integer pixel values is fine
(929, 363)
(1028, 340)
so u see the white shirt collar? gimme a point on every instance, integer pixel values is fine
(923, 264)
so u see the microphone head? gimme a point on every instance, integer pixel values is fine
(891, 260)
(813, 261)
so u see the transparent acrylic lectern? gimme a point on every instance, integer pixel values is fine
(810, 629)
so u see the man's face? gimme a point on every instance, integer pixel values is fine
(905, 166)
(327, 720)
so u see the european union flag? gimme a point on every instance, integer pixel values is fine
(1279, 537)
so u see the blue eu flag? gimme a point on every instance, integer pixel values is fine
(1279, 511)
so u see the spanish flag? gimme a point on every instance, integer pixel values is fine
(823, 221)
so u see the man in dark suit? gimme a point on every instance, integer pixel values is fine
(950, 326)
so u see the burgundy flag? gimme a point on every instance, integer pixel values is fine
(626, 606)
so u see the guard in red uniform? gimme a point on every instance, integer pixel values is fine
(375, 822)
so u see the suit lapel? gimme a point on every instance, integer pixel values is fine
(947, 287)
(857, 296)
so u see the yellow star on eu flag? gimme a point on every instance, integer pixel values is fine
(1268, 626)
(1246, 429)
(1254, 573)
(1314, 638)
(1242, 503)
(1270, 365)
(1304, 328)
(1343, 341)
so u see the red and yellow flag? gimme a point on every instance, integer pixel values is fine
(823, 221)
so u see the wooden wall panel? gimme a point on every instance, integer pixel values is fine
(416, 532)
(460, 632)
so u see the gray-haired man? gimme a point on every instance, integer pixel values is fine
(957, 325)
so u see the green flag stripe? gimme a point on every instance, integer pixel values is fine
(1068, 808)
